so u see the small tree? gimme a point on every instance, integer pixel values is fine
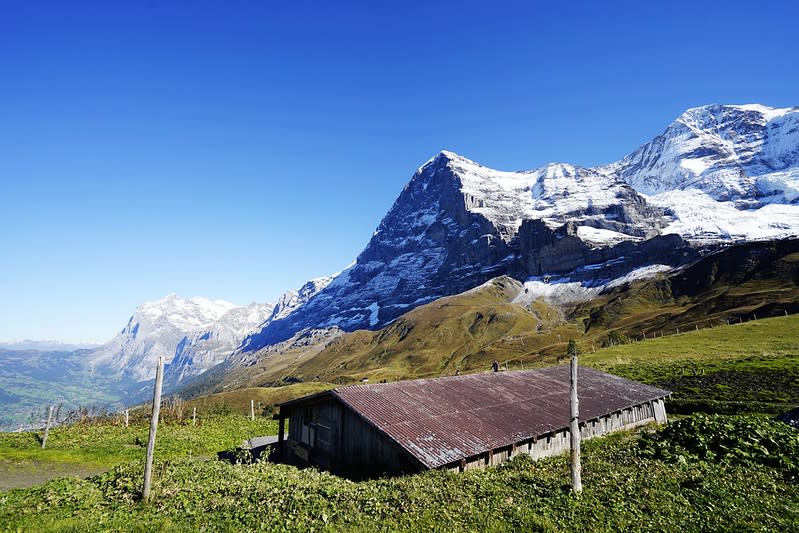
(615, 338)
(571, 348)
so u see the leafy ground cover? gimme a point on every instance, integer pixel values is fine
(627, 488)
(733, 439)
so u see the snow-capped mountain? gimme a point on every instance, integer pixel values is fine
(720, 150)
(723, 172)
(203, 349)
(196, 332)
(718, 173)
(192, 335)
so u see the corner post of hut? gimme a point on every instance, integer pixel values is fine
(281, 443)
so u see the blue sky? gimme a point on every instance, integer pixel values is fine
(236, 149)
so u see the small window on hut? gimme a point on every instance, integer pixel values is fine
(307, 431)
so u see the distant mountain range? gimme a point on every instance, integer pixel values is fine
(718, 175)
(48, 346)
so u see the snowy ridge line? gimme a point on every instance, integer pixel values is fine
(713, 181)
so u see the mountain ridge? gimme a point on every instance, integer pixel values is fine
(457, 224)
(716, 176)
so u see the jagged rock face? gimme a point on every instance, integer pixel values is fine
(428, 245)
(291, 300)
(201, 350)
(720, 150)
(195, 332)
(458, 224)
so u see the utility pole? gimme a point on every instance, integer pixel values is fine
(574, 430)
(148, 465)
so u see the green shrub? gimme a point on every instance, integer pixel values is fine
(734, 439)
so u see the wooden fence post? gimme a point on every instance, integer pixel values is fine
(194, 417)
(252, 410)
(47, 426)
(574, 430)
(148, 465)
(127, 417)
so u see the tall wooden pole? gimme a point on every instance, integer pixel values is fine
(574, 429)
(252, 410)
(148, 465)
(194, 417)
(127, 416)
(47, 426)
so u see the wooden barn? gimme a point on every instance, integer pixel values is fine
(458, 422)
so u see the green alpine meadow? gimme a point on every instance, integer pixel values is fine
(706, 470)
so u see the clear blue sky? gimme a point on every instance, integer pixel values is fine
(236, 149)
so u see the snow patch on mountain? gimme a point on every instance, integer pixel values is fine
(780, 187)
(561, 292)
(565, 291)
(554, 193)
(697, 216)
(603, 237)
(646, 272)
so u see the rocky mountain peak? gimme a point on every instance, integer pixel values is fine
(720, 150)
(159, 328)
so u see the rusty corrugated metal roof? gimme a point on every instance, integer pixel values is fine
(442, 420)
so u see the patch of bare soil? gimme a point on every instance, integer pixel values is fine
(23, 474)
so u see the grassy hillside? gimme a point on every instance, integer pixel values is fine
(716, 473)
(238, 401)
(756, 361)
(630, 484)
(752, 366)
(741, 283)
(464, 332)
(86, 448)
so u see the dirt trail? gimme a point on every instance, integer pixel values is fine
(19, 475)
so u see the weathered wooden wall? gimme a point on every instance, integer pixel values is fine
(343, 442)
(559, 442)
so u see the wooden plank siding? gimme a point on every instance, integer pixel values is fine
(559, 441)
(330, 436)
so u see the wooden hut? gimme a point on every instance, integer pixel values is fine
(457, 422)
